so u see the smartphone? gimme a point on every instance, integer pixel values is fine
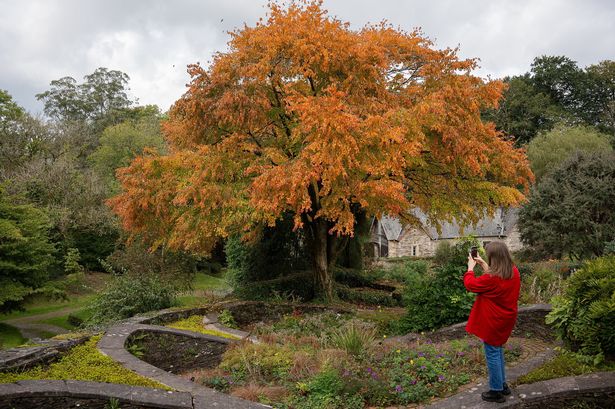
(474, 251)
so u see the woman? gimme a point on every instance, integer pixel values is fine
(494, 312)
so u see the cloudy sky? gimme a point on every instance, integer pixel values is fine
(153, 40)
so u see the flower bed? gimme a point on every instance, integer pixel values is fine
(338, 361)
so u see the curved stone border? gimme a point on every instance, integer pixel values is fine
(597, 387)
(113, 344)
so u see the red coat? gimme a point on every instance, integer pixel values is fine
(494, 312)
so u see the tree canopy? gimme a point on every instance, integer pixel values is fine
(102, 92)
(305, 116)
(549, 150)
(25, 251)
(570, 211)
(557, 91)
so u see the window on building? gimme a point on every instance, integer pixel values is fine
(414, 251)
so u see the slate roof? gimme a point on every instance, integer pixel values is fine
(499, 224)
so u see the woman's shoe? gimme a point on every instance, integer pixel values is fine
(493, 396)
(506, 390)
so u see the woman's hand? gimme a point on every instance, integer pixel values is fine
(471, 263)
(482, 263)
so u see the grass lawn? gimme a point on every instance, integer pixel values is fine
(203, 283)
(62, 321)
(10, 336)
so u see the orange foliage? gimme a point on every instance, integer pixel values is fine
(305, 115)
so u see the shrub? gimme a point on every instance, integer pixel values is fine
(355, 337)
(440, 299)
(609, 247)
(176, 268)
(226, 318)
(352, 277)
(584, 316)
(71, 261)
(404, 273)
(263, 362)
(540, 286)
(326, 390)
(128, 295)
(287, 287)
(366, 296)
(74, 320)
(444, 253)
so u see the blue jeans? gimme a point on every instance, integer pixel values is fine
(496, 367)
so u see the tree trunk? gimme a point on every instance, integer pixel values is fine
(323, 280)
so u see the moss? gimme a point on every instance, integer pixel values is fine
(195, 323)
(564, 364)
(84, 363)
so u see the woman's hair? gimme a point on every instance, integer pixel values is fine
(499, 259)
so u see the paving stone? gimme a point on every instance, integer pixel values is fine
(210, 318)
(10, 389)
(95, 390)
(44, 387)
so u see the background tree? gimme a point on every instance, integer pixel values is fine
(121, 143)
(549, 150)
(25, 251)
(570, 211)
(307, 117)
(102, 94)
(73, 198)
(524, 111)
(599, 97)
(556, 91)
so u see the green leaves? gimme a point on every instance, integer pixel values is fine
(570, 212)
(584, 317)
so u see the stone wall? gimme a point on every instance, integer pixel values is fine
(426, 247)
(23, 358)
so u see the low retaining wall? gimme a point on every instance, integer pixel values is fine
(91, 395)
(23, 358)
(530, 323)
(597, 389)
(249, 312)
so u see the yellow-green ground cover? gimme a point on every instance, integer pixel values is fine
(84, 363)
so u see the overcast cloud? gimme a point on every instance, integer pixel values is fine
(153, 40)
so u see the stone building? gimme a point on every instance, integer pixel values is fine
(389, 238)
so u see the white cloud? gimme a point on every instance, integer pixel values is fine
(153, 40)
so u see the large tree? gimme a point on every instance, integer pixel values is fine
(549, 150)
(104, 92)
(25, 251)
(303, 115)
(570, 211)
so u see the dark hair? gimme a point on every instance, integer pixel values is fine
(499, 259)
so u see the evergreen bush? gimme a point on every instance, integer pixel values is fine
(584, 316)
